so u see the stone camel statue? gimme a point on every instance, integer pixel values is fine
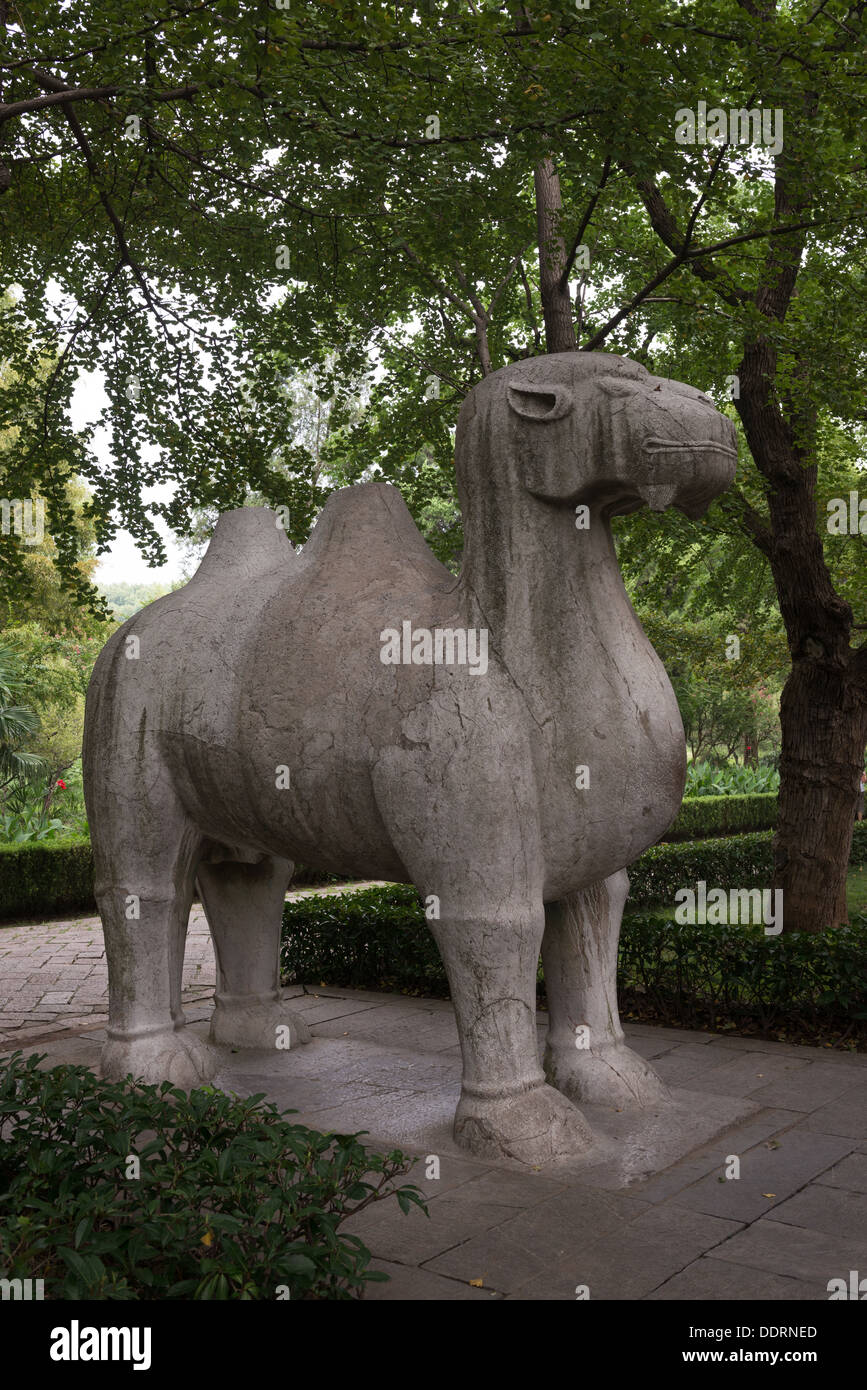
(323, 707)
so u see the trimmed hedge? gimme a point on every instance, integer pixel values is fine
(46, 876)
(57, 876)
(41, 878)
(701, 816)
(695, 976)
(378, 938)
(736, 861)
(812, 987)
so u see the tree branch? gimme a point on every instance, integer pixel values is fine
(585, 222)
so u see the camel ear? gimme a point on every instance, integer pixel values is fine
(542, 403)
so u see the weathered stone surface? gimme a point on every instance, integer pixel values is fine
(717, 1280)
(632, 1260)
(508, 750)
(813, 1256)
(769, 1173)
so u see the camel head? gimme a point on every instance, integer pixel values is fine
(593, 428)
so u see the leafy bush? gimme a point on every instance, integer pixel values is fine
(723, 815)
(29, 824)
(233, 1201)
(376, 938)
(46, 876)
(703, 976)
(49, 876)
(704, 779)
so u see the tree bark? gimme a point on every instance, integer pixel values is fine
(824, 731)
(823, 710)
(556, 301)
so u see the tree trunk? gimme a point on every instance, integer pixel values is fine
(824, 730)
(823, 711)
(556, 301)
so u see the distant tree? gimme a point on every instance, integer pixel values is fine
(126, 599)
(19, 725)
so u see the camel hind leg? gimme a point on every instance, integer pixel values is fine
(586, 1056)
(144, 890)
(243, 903)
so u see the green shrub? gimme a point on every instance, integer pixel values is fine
(723, 815)
(734, 861)
(42, 878)
(703, 976)
(376, 938)
(52, 876)
(46, 876)
(233, 1202)
(704, 779)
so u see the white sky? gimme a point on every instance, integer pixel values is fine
(123, 563)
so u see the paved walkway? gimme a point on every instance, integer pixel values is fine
(53, 975)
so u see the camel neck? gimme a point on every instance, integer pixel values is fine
(546, 590)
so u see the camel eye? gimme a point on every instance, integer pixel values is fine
(617, 386)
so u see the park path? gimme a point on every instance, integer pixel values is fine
(53, 975)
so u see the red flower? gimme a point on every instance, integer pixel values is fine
(61, 784)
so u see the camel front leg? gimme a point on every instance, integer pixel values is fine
(470, 843)
(506, 1110)
(586, 1056)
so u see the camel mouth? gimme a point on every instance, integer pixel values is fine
(665, 446)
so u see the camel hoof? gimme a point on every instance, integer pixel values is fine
(613, 1075)
(175, 1055)
(266, 1026)
(538, 1127)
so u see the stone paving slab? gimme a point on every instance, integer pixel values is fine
(770, 1172)
(846, 1116)
(851, 1173)
(794, 1251)
(632, 1261)
(713, 1158)
(60, 974)
(836, 1211)
(707, 1279)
